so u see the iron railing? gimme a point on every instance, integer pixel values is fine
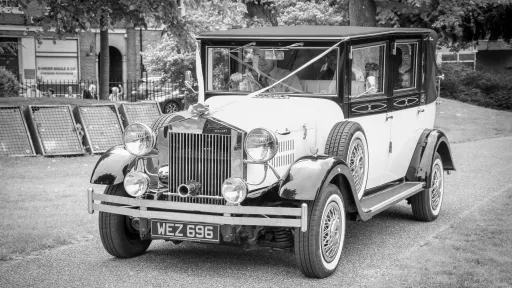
(131, 91)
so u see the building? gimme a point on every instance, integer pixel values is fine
(71, 60)
(484, 55)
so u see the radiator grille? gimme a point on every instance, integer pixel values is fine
(202, 158)
(102, 127)
(55, 130)
(14, 136)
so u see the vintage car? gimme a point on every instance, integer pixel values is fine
(297, 130)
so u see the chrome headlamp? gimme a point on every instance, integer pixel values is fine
(139, 139)
(234, 190)
(261, 145)
(136, 183)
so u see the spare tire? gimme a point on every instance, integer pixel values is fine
(348, 141)
(164, 120)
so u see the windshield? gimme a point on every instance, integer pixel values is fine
(245, 70)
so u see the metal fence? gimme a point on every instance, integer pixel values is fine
(131, 91)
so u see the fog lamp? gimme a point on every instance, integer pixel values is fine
(234, 190)
(136, 183)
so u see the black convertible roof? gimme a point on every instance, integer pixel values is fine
(316, 32)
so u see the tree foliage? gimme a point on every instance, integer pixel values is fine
(9, 86)
(458, 22)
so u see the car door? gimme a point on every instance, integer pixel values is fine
(368, 104)
(406, 104)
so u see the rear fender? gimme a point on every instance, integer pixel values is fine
(112, 166)
(309, 175)
(431, 141)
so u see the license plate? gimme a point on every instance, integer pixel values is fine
(185, 231)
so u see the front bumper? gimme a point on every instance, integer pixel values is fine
(213, 214)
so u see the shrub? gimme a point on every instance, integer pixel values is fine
(9, 86)
(487, 88)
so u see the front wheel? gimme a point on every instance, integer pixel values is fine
(318, 250)
(426, 205)
(117, 234)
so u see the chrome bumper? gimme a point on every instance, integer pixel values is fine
(219, 214)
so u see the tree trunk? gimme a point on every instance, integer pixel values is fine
(362, 13)
(131, 62)
(264, 10)
(104, 59)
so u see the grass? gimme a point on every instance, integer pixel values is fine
(44, 203)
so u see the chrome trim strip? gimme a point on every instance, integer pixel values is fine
(90, 192)
(185, 217)
(387, 202)
(304, 217)
(192, 207)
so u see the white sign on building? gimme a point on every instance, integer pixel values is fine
(57, 62)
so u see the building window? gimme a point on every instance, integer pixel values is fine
(466, 58)
(9, 6)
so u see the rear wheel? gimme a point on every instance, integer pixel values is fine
(318, 250)
(117, 234)
(426, 205)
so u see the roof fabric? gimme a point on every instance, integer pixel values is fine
(310, 32)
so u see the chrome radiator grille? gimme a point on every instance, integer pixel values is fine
(203, 158)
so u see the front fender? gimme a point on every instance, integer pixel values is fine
(112, 166)
(307, 176)
(431, 141)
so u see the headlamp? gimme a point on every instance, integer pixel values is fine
(234, 190)
(139, 139)
(261, 145)
(136, 183)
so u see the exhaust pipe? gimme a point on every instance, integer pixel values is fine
(192, 188)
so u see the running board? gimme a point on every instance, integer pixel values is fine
(376, 203)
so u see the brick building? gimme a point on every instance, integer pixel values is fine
(73, 59)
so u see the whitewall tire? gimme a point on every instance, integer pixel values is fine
(348, 141)
(318, 250)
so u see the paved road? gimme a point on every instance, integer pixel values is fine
(484, 169)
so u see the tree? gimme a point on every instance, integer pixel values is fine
(70, 17)
(458, 22)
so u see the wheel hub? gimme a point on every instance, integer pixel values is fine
(331, 231)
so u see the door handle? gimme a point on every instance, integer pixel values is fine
(389, 117)
(421, 110)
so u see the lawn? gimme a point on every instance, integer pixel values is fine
(44, 203)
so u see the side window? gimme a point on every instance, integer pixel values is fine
(405, 66)
(218, 73)
(368, 66)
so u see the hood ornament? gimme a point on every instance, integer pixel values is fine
(199, 110)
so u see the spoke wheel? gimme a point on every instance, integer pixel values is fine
(331, 231)
(348, 141)
(426, 205)
(318, 250)
(357, 162)
(171, 107)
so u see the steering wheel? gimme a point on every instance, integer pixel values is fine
(244, 78)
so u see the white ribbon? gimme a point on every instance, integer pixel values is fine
(199, 75)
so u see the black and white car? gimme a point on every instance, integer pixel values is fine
(344, 130)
